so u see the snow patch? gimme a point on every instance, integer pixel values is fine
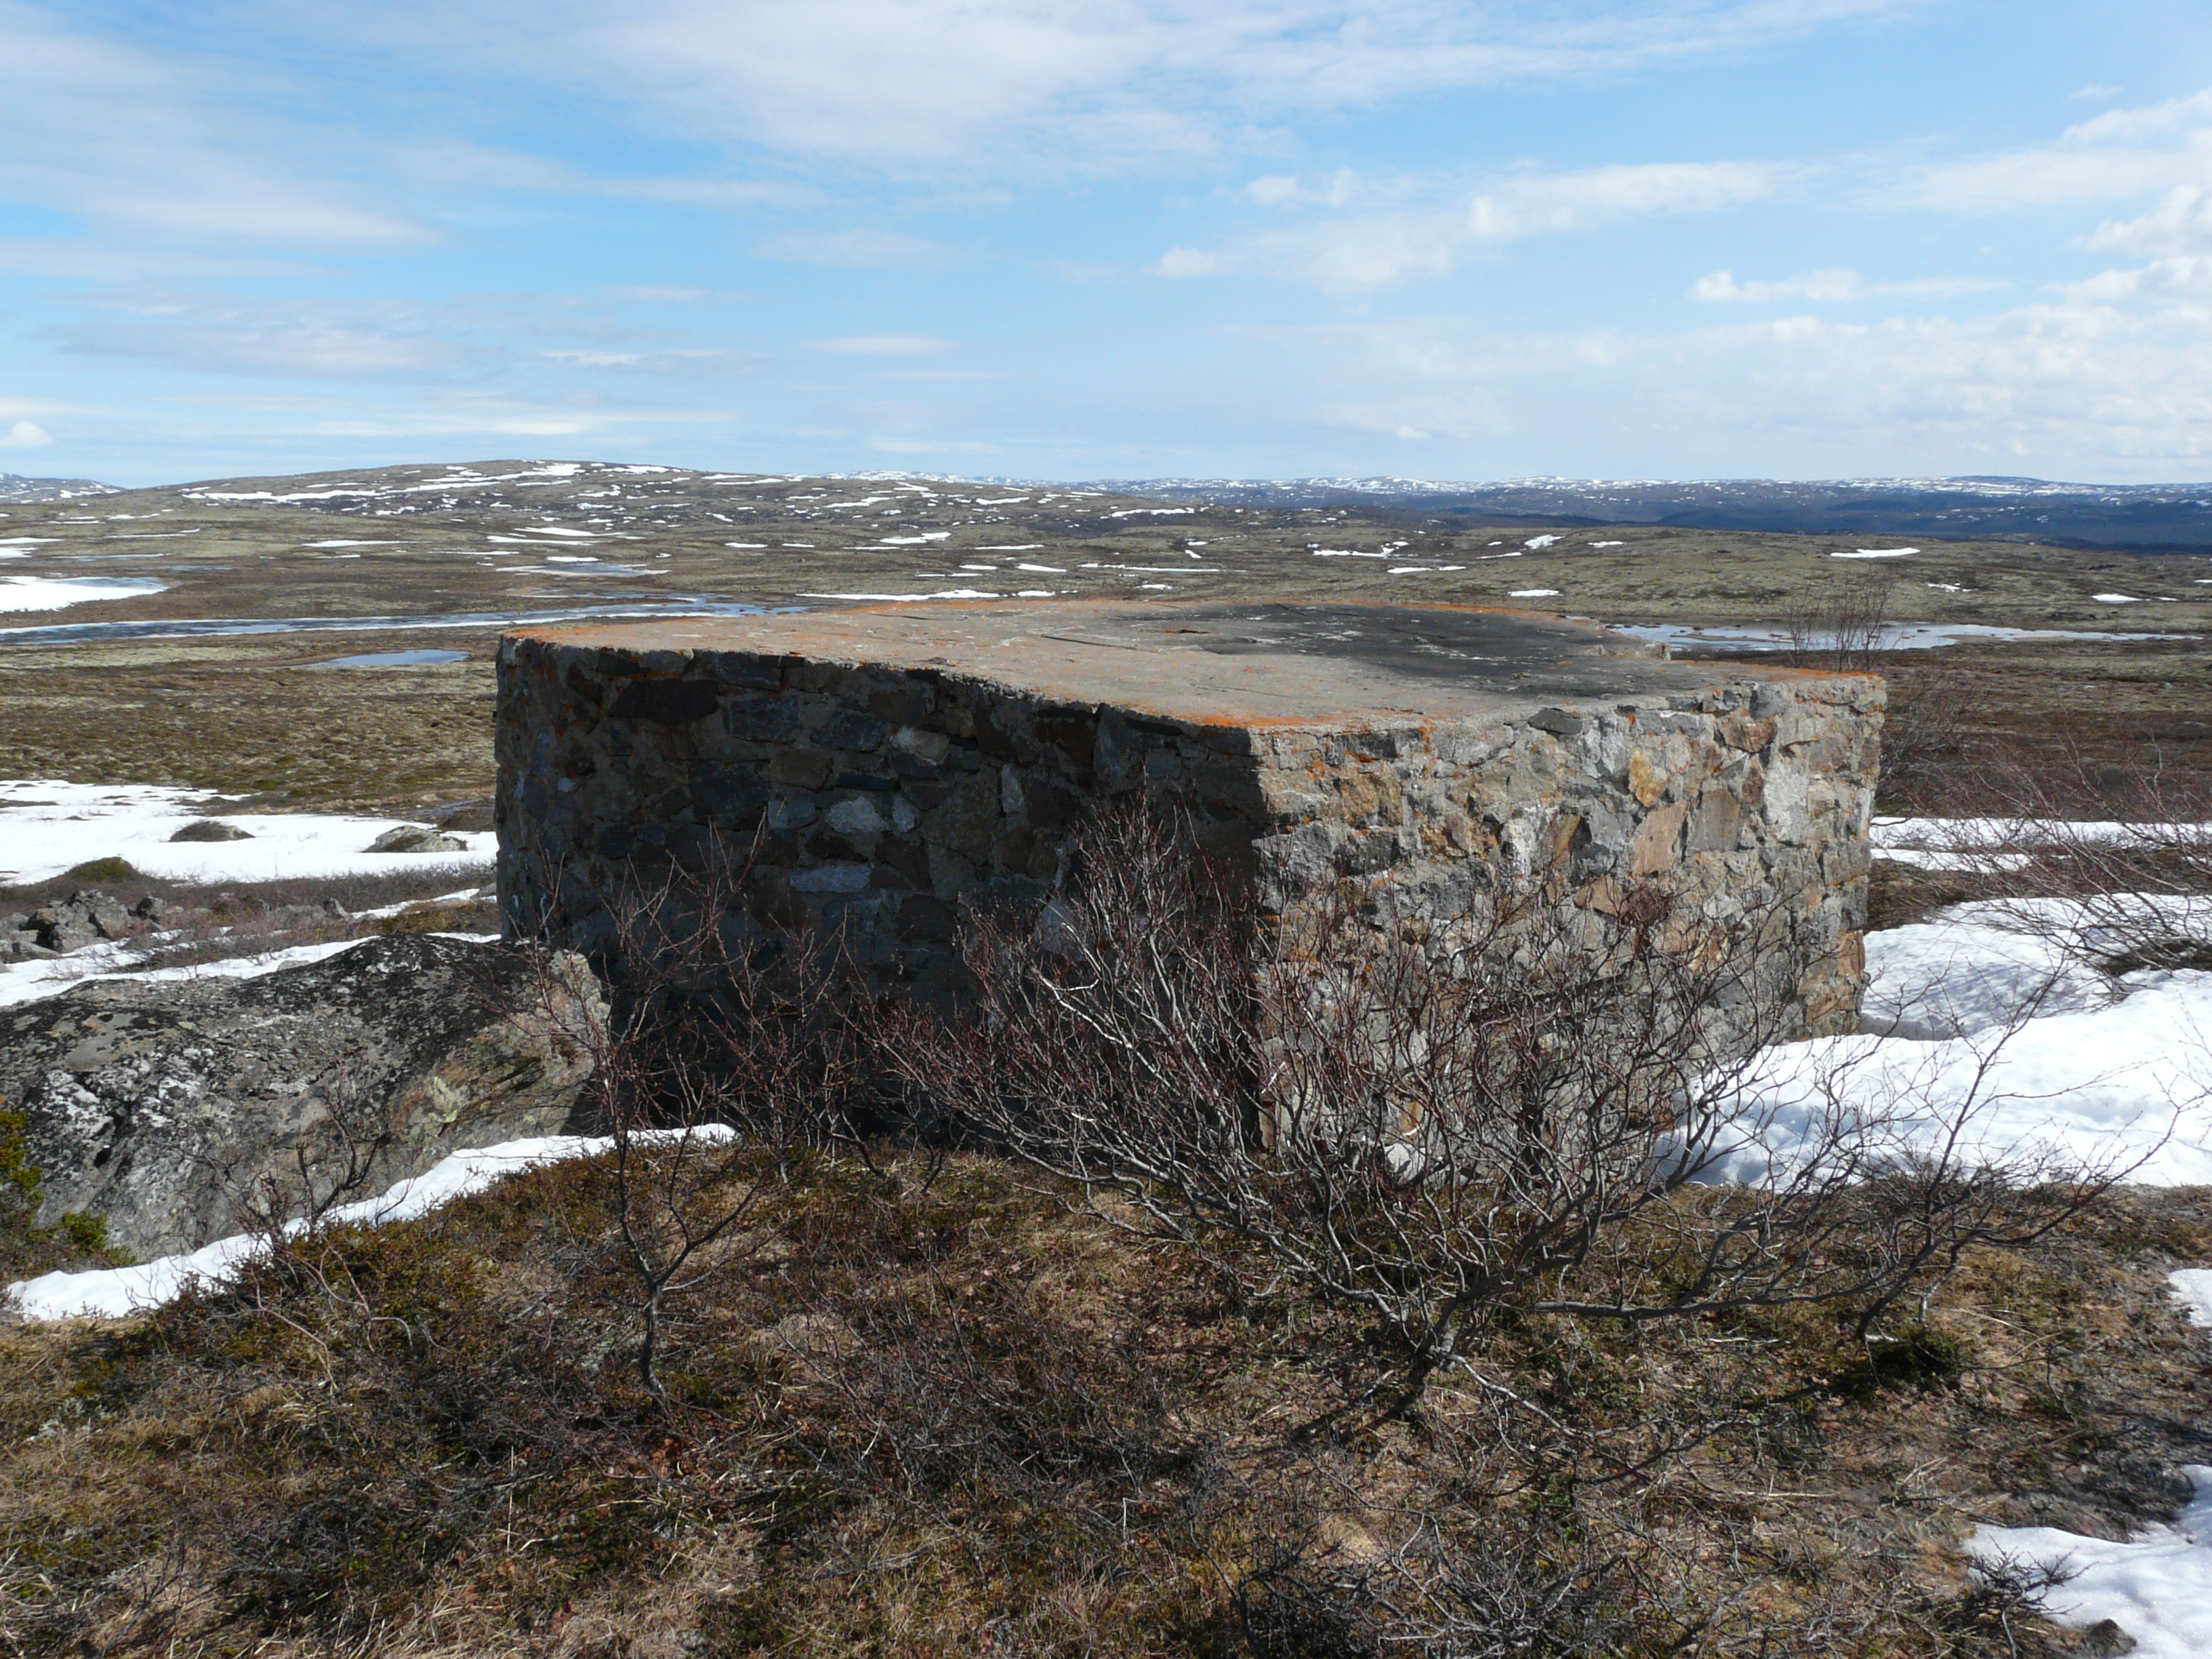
(116, 1293)
(47, 828)
(2157, 1586)
(909, 599)
(53, 593)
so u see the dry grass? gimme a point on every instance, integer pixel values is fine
(968, 1419)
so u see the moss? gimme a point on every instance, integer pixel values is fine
(107, 869)
(26, 1247)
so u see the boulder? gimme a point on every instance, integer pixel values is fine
(85, 917)
(212, 830)
(155, 1107)
(416, 838)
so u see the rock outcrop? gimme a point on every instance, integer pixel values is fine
(416, 838)
(156, 1106)
(85, 917)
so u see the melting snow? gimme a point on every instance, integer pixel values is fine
(47, 827)
(906, 598)
(2157, 1586)
(2112, 1071)
(53, 593)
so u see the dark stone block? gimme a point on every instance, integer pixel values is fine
(826, 846)
(925, 794)
(1560, 722)
(1016, 842)
(775, 852)
(998, 730)
(728, 797)
(1051, 806)
(881, 783)
(665, 703)
(762, 719)
(746, 668)
(926, 920)
(849, 729)
(901, 705)
(1074, 732)
(909, 857)
(1368, 854)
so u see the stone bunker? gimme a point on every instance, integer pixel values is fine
(887, 763)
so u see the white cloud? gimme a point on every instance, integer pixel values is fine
(25, 434)
(1566, 203)
(2182, 277)
(850, 247)
(2108, 158)
(2145, 120)
(2181, 222)
(303, 339)
(1832, 286)
(113, 134)
(424, 343)
(696, 361)
(1398, 229)
(1338, 189)
(915, 84)
(2077, 387)
(1188, 262)
(647, 294)
(884, 345)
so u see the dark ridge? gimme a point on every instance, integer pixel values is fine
(2174, 518)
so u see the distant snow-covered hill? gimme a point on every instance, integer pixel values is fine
(15, 487)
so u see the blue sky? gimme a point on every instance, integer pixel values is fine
(1110, 238)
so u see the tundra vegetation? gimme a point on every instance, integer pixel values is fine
(1195, 1287)
(1198, 1290)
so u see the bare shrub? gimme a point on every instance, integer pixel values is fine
(1510, 1586)
(725, 1059)
(1931, 740)
(2110, 866)
(1441, 1122)
(1843, 626)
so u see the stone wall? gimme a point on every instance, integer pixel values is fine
(882, 794)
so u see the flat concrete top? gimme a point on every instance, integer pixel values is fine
(1290, 665)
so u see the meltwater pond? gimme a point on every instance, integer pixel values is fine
(1901, 636)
